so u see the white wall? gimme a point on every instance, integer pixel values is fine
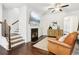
(47, 19)
(70, 24)
(3, 41)
(0, 20)
(11, 15)
(75, 13)
(59, 17)
(23, 23)
(0, 17)
(29, 27)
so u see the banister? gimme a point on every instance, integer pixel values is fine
(6, 32)
(9, 38)
(15, 22)
(8, 28)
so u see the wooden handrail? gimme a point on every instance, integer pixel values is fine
(0, 22)
(15, 22)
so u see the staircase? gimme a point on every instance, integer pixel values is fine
(16, 40)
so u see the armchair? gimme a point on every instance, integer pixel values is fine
(62, 48)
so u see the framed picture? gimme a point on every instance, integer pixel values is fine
(54, 25)
(34, 19)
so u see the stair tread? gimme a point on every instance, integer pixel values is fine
(17, 44)
(14, 38)
(14, 34)
(16, 41)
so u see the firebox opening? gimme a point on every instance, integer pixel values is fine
(34, 34)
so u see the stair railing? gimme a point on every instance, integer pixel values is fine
(8, 28)
(6, 32)
(15, 22)
(14, 25)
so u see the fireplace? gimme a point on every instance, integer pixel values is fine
(34, 34)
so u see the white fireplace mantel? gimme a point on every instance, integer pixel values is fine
(34, 26)
(29, 32)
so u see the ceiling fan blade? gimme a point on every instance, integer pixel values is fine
(50, 8)
(53, 11)
(65, 6)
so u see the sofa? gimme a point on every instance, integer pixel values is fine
(63, 48)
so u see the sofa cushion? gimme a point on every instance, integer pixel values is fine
(61, 39)
(70, 39)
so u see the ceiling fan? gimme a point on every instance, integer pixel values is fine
(58, 7)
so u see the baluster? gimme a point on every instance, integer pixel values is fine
(9, 38)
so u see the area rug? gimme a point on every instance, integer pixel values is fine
(42, 44)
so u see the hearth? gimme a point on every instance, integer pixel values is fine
(34, 34)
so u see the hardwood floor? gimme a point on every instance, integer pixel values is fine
(25, 49)
(2, 51)
(28, 49)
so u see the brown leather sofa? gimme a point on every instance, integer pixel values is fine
(62, 48)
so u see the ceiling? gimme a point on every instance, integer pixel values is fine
(12, 5)
(40, 7)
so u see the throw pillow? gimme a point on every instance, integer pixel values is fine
(61, 39)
